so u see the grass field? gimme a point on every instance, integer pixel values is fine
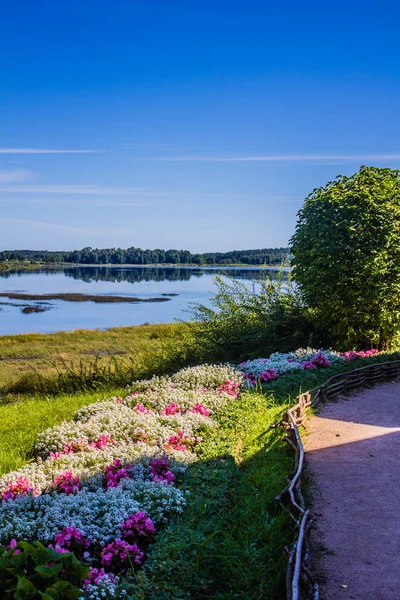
(46, 354)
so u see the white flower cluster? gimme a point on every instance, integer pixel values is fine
(205, 376)
(155, 422)
(105, 590)
(284, 362)
(122, 423)
(97, 514)
(89, 465)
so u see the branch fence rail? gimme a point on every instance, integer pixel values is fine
(300, 584)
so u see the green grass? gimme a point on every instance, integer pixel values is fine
(23, 419)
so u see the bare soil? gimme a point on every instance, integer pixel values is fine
(353, 454)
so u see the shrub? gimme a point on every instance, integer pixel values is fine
(246, 323)
(35, 571)
(346, 258)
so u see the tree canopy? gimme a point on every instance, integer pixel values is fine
(137, 256)
(346, 257)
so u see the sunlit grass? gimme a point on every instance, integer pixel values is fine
(24, 355)
(22, 420)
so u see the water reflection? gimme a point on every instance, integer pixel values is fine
(139, 274)
(180, 285)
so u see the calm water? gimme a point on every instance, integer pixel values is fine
(190, 284)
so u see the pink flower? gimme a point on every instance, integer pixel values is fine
(160, 470)
(119, 400)
(96, 576)
(353, 355)
(201, 410)
(66, 482)
(119, 555)
(231, 388)
(171, 409)
(13, 544)
(20, 488)
(136, 526)
(103, 441)
(115, 472)
(74, 446)
(142, 409)
(71, 539)
(179, 441)
(55, 455)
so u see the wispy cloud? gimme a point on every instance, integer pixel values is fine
(282, 158)
(87, 189)
(45, 151)
(15, 176)
(87, 231)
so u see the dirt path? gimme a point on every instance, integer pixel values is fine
(353, 453)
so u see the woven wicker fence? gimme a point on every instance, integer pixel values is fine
(300, 584)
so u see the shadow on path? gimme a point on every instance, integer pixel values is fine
(353, 453)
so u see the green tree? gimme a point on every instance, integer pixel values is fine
(346, 257)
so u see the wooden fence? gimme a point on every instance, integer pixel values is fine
(300, 584)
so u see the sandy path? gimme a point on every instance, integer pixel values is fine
(353, 453)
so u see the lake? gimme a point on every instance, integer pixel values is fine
(181, 285)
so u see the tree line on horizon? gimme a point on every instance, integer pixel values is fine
(137, 256)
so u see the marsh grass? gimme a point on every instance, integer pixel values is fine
(83, 359)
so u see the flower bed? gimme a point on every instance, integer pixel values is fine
(106, 483)
(264, 370)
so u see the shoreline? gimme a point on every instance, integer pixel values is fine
(7, 267)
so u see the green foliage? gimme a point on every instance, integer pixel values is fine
(137, 256)
(36, 572)
(244, 323)
(346, 257)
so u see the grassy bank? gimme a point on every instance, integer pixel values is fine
(24, 358)
(22, 416)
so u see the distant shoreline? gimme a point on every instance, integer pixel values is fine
(27, 266)
(7, 267)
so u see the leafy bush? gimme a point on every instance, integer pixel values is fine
(244, 323)
(35, 571)
(346, 258)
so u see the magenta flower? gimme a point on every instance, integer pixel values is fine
(103, 441)
(171, 409)
(201, 410)
(96, 576)
(119, 555)
(20, 488)
(115, 472)
(67, 483)
(160, 470)
(136, 526)
(268, 375)
(142, 409)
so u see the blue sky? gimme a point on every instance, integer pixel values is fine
(186, 124)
